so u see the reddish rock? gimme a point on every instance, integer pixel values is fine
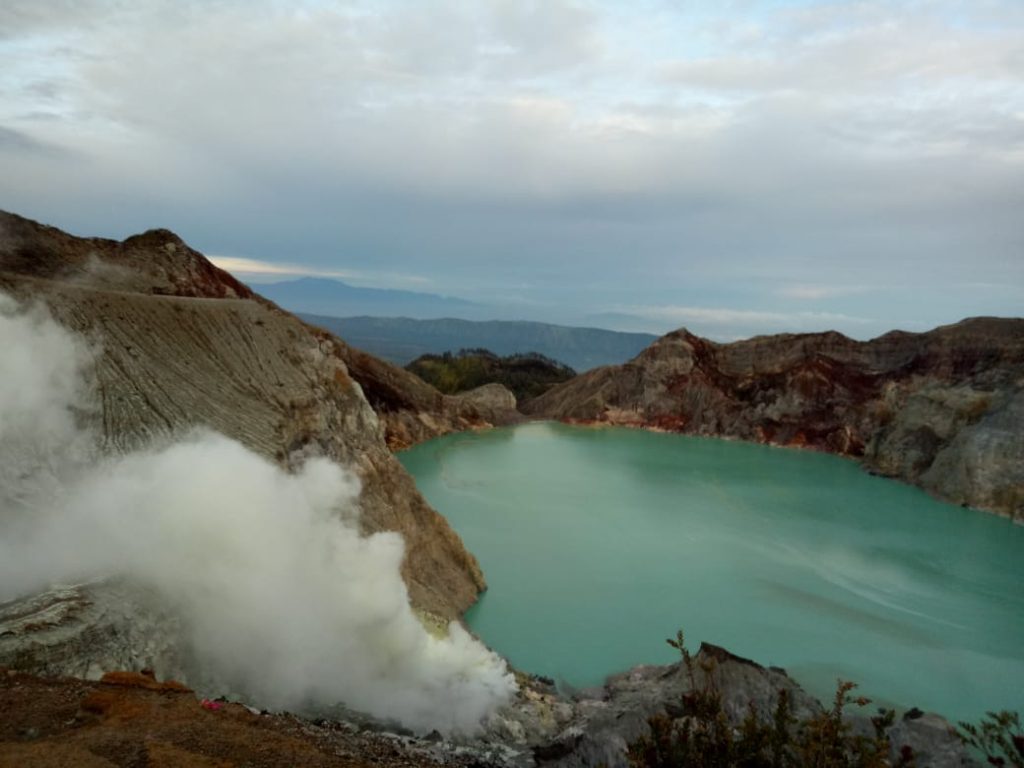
(943, 409)
(123, 721)
(139, 680)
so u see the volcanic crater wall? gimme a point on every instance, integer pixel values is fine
(942, 409)
(183, 344)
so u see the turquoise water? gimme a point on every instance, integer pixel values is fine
(599, 543)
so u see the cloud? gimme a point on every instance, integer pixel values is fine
(805, 292)
(265, 271)
(859, 60)
(726, 315)
(19, 18)
(242, 266)
(280, 597)
(739, 322)
(498, 143)
(21, 142)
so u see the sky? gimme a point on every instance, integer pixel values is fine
(735, 167)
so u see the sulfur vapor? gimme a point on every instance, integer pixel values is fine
(281, 597)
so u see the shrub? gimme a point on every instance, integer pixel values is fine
(526, 375)
(703, 736)
(998, 737)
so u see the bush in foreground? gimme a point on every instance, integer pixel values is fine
(999, 737)
(703, 736)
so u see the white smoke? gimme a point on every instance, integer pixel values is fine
(284, 600)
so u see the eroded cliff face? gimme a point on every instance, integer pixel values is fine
(412, 411)
(943, 409)
(181, 343)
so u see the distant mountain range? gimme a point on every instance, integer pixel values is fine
(401, 340)
(322, 296)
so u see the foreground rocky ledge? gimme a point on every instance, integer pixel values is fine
(943, 409)
(128, 719)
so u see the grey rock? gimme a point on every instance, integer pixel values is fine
(595, 727)
(933, 740)
(84, 630)
(599, 724)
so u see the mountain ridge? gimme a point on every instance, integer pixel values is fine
(943, 409)
(189, 345)
(329, 296)
(181, 344)
(401, 340)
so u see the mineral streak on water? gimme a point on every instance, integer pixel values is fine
(598, 543)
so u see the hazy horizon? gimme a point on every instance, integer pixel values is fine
(482, 313)
(737, 168)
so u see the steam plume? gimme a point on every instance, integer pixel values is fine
(283, 599)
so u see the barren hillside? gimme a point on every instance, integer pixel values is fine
(943, 409)
(183, 344)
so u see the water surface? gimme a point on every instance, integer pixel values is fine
(599, 543)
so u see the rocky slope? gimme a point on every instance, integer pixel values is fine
(943, 409)
(412, 411)
(182, 344)
(130, 719)
(525, 375)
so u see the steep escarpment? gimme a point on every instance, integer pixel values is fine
(942, 409)
(412, 411)
(182, 344)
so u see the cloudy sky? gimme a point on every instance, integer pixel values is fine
(735, 167)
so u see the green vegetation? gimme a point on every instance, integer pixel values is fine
(526, 375)
(999, 737)
(703, 736)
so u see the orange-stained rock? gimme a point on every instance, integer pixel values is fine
(139, 680)
(69, 722)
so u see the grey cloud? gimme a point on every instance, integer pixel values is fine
(544, 36)
(499, 39)
(12, 140)
(25, 18)
(492, 144)
(860, 49)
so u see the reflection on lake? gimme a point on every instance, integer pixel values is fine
(599, 543)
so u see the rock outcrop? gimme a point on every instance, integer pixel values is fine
(131, 719)
(182, 344)
(88, 629)
(412, 411)
(943, 409)
(527, 375)
(596, 726)
(604, 721)
(128, 714)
